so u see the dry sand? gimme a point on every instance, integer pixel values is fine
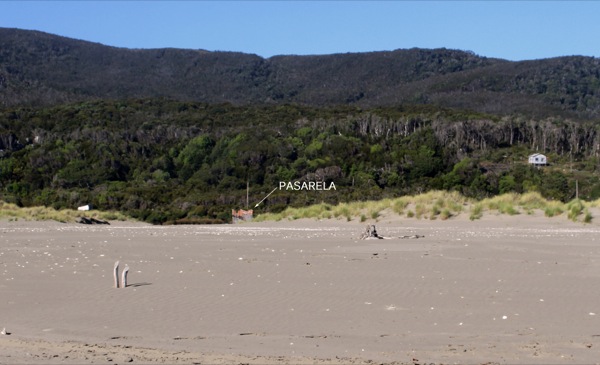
(522, 289)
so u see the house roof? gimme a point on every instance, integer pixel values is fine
(536, 154)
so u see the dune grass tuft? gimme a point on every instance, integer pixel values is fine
(574, 209)
(476, 211)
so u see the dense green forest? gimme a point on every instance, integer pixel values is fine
(171, 134)
(161, 160)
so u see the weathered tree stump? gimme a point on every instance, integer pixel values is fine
(370, 233)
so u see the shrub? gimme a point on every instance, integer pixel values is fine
(445, 214)
(575, 208)
(476, 211)
(420, 210)
(588, 217)
(399, 205)
(552, 211)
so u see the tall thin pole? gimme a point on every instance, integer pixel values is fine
(571, 157)
(247, 193)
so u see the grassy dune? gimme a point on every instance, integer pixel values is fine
(440, 205)
(432, 205)
(14, 213)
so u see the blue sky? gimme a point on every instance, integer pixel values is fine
(514, 30)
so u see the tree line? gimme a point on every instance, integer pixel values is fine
(161, 160)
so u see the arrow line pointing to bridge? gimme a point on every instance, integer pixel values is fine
(257, 204)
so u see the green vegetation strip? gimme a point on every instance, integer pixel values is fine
(12, 212)
(440, 205)
(432, 205)
(163, 161)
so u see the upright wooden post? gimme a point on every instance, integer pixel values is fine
(116, 274)
(124, 277)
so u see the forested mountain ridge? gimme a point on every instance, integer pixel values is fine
(40, 69)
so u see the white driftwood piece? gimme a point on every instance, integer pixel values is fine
(116, 274)
(371, 234)
(124, 277)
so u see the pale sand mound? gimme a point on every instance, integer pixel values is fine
(520, 289)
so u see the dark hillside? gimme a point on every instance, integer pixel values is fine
(366, 78)
(568, 86)
(40, 69)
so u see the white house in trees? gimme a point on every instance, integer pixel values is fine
(537, 159)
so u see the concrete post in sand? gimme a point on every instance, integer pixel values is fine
(124, 277)
(116, 274)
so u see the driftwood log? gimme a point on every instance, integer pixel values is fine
(85, 220)
(124, 277)
(371, 234)
(116, 274)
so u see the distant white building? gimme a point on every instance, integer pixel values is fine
(537, 159)
(85, 207)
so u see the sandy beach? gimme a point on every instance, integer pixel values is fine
(521, 289)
